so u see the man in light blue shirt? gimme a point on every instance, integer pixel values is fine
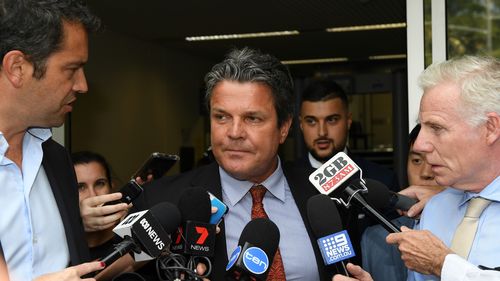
(41, 73)
(460, 136)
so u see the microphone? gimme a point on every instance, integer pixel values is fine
(330, 178)
(252, 258)
(381, 197)
(194, 240)
(146, 233)
(196, 236)
(326, 224)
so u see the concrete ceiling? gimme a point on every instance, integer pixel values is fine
(169, 22)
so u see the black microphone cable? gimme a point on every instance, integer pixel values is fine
(172, 266)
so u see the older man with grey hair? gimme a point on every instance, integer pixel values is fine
(460, 136)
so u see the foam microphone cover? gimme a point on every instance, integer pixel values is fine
(261, 233)
(168, 215)
(378, 194)
(195, 205)
(323, 216)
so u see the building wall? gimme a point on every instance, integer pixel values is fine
(142, 98)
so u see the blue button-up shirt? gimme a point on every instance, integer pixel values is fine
(295, 246)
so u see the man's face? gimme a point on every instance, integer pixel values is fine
(244, 131)
(50, 98)
(419, 171)
(325, 125)
(455, 150)
(92, 180)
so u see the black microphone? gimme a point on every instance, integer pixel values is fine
(196, 236)
(326, 224)
(381, 197)
(335, 178)
(194, 241)
(253, 257)
(146, 233)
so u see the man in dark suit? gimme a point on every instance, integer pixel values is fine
(250, 100)
(41, 72)
(325, 121)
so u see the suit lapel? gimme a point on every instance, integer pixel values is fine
(51, 165)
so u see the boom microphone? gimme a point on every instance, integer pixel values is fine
(326, 224)
(253, 257)
(146, 233)
(331, 178)
(381, 197)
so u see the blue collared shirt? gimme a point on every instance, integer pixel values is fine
(295, 246)
(445, 211)
(31, 229)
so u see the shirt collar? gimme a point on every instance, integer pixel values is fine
(236, 189)
(315, 163)
(42, 134)
(490, 192)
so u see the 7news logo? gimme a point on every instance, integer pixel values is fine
(336, 247)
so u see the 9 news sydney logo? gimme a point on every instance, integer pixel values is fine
(333, 173)
(336, 247)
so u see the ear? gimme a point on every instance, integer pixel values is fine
(300, 123)
(284, 130)
(492, 128)
(349, 120)
(16, 67)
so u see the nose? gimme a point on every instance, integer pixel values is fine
(80, 82)
(426, 173)
(236, 129)
(422, 145)
(91, 191)
(322, 130)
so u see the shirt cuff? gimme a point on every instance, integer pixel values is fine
(456, 268)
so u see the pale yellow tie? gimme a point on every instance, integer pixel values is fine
(466, 230)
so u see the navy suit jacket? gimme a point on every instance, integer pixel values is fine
(170, 189)
(61, 175)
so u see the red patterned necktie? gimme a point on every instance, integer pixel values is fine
(277, 271)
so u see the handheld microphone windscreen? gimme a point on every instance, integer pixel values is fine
(195, 205)
(323, 216)
(196, 236)
(380, 197)
(168, 215)
(261, 233)
(378, 194)
(254, 255)
(326, 224)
